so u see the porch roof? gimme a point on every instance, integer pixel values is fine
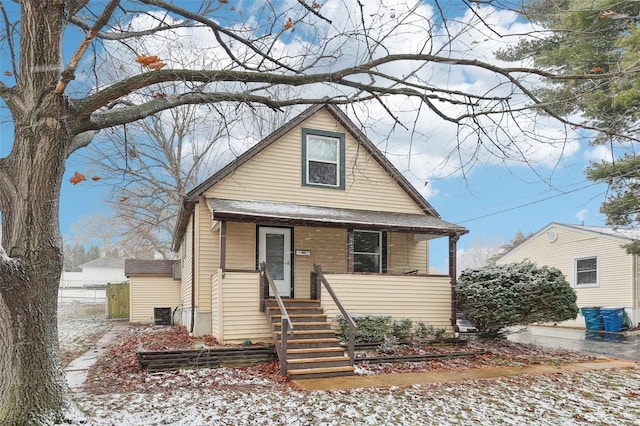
(303, 215)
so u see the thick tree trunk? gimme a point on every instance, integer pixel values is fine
(33, 389)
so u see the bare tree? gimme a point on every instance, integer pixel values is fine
(149, 165)
(342, 52)
(478, 253)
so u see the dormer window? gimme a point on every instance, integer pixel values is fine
(322, 158)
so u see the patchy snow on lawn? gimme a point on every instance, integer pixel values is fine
(80, 324)
(254, 396)
(224, 397)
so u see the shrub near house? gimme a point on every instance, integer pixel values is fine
(499, 296)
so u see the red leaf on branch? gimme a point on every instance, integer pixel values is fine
(289, 24)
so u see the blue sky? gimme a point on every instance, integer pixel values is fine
(494, 199)
(492, 202)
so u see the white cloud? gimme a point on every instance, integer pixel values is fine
(422, 145)
(581, 215)
(598, 154)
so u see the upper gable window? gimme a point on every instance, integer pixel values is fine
(322, 158)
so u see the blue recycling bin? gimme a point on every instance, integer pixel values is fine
(613, 319)
(592, 318)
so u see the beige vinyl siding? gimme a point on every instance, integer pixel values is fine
(615, 267)
(216, 308)
(239, 293)
(275, 175)
(426, 299)
(241, 246)
(151, 291)
(405, 254)
(208, 260)
(186, 262)
(328, 248)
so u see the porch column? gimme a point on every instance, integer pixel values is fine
(453, 240)
(223, 244)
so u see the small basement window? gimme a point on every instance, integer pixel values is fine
(323, 158)
(587, 271)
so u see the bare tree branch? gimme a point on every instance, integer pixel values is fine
(125, 35)
(9, 34)
(218, 31)
(68, 74)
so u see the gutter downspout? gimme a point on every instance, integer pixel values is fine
(636, 314)
(193, 272)
(453, 273)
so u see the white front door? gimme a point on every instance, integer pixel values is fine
(274, 248)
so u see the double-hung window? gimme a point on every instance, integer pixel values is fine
(587, 271)
(322, 158)
(367, 251)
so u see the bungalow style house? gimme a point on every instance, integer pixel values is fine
(314, 218)
(592, 259)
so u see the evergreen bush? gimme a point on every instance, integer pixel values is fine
(496, 297)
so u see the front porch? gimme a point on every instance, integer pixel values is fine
(237, 298)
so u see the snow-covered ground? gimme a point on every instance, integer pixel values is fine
(80, 324)
(223, 397)
(229, 396)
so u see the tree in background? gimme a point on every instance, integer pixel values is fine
(517, 239)
(151, 164)
(600, 40)
(622, 206)
(77, 255)
(391, 59)
(497, 297)
(478, 253)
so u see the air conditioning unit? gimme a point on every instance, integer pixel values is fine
(177, 270)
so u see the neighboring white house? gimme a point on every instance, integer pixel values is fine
(103, 271)
(593, 260)
(90, 284)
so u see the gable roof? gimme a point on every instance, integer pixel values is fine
(192, 197)
(628, 234)
(624, 235)
(148, 267)
(104, 262)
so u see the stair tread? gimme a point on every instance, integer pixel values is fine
(321, 370)
(295, 308)
(307, 323)
(312, 350)
(312, 331)
(320, 340)
(319, 359)
(300, 315)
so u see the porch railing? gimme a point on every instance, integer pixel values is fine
(320, 279)
(266, 282)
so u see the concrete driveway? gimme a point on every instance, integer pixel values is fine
(613, 345)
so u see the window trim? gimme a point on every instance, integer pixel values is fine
(382, 241)
(340, 184)
(575, 272)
